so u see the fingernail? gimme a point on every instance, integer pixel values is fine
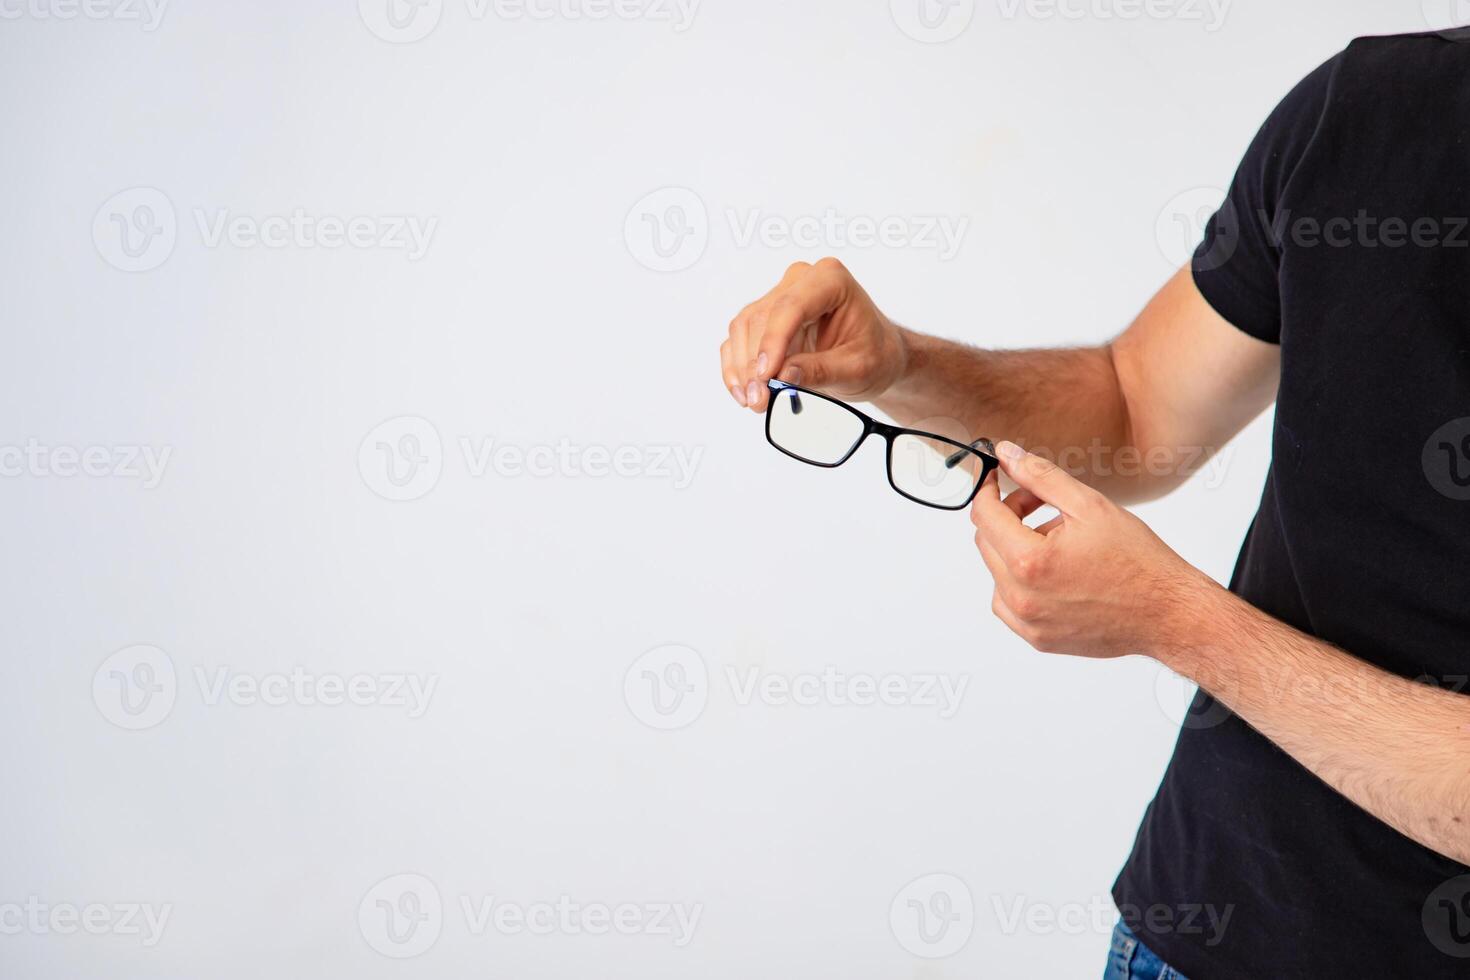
(1009, 450)
(738, 395)
(761, 363)
(752, 394)
(792, 375)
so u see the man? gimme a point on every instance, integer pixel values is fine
(1324, 793)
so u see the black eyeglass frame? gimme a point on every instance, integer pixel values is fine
(980, 447)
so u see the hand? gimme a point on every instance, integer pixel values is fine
(817, 328)
(1093, 581)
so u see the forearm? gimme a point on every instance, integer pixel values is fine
(1397, 748)
(1065, 404)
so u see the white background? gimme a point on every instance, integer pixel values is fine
(533, 318)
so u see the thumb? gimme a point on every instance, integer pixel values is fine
(1045, 479)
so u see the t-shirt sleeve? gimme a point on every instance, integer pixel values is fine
(1237, 265)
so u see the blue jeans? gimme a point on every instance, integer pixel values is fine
(1130, 959)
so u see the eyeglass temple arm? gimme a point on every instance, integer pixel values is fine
(984, 445)
(776, 385)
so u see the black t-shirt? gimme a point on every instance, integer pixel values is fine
(1345, 238)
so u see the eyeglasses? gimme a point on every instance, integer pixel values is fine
(926, 468)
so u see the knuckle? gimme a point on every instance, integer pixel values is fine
(831, 265)
(1030, 567)
(1040, 465)
(1025, 605)
(797, 268)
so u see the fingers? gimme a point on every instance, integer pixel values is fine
(1006, 615)
(1047, 480)
(1023, 503)
(807, 298)
(729, 374)
(1001, 526)
(740, 366)
(835, 368)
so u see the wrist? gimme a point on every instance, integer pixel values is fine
(905, 357)
(1197, 617)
